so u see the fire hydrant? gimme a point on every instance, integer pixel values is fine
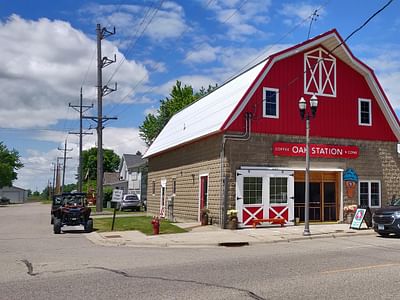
(156, 225)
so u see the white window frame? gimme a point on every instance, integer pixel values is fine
(369, 192)
(269, 190)
(360, 100)
(276, 116)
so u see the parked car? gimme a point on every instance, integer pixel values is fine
(4, 200)
(130, 201)
(70, 209)
(386, 220)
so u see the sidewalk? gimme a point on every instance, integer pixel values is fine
(213, 236)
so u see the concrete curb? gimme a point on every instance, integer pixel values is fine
(246, 240)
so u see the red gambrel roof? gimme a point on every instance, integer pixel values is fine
(218, 110)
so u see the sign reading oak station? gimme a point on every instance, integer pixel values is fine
(316, 150)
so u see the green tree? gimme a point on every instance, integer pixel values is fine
(110, 163)
(9, 164)
(180, 97)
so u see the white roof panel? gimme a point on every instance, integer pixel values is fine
(205, 116)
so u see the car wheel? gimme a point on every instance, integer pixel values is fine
(384, 234)
(57, 225)
(52, 220)
(89, 226)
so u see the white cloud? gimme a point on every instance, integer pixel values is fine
(156, 23)
(155, 66)
(204, 53)
(151, 110)
(196, 81)
(37, 168)
(41, 75)
(241, 17)
(121, 140)
(385, 61)
(299, 12)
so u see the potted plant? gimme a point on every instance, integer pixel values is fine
(232, 219)
(204, 216)
(349, 211)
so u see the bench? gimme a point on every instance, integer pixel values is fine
(280, 221)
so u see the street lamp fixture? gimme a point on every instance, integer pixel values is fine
(304, 114)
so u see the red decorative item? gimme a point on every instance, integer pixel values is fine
(156, 225)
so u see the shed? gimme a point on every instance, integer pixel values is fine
(15, 194)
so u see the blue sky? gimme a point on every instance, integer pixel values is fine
(48, 53)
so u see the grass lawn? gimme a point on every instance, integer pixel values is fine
(142, 224)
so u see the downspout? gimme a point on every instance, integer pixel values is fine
(234, 137)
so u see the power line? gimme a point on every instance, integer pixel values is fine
(245, 67)
(190, 54)
(364, 24)
(155, 10)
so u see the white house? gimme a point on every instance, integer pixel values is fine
(133, 170)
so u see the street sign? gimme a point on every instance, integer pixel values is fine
(117, 195)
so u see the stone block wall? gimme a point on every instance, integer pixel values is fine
(377, 161)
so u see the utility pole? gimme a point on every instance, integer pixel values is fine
(54, 178)
(65, 162)
(58, 189)
(314, 17)
(102, 62)
(49, 190)
(80, 133)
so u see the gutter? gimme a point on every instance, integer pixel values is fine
(233, 137)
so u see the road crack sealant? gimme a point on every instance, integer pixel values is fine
(122, 273)
(29, 265)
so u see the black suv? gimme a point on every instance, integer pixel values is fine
(70, 209)
(387, 220)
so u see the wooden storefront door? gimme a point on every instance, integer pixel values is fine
(324, 200)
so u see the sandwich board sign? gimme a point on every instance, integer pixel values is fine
(117, 195)
(358, 218)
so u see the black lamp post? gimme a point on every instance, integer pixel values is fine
(306, 114)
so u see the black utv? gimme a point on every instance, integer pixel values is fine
(70, 209)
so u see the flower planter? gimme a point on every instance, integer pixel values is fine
(232, 224)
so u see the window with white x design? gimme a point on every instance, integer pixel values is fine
(319, 73)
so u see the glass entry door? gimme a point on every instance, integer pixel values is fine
(323, 199)
(329, 201)
(315, 201)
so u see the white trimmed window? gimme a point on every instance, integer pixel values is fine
(252, 190)
(278, 190)
(364, 112)
(270, 103)
(369, 193)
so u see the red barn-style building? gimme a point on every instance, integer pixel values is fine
(242, 146)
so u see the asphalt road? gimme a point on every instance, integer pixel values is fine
(36, 264)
